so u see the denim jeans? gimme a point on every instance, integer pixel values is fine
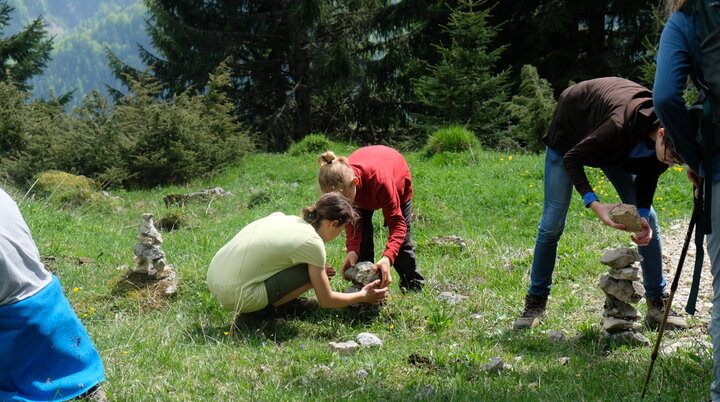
(558, 192)
(713, 248)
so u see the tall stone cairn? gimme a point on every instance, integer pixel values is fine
(151, 258)
(622, 290)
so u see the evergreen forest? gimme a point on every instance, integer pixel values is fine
(365, 71)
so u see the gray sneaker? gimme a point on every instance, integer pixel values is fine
(533, 313)
(656, 310)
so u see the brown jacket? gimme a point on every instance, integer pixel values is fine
(597, 123)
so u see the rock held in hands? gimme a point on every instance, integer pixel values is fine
(627, 215)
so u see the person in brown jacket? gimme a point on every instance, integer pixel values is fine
(608, 123)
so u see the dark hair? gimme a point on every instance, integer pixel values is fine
(672, 6)
(332, 206)
(670, 148)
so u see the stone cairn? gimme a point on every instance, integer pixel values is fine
(360, 275)
(150, 257)
(621, 286)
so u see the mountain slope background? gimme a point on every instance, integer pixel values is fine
(81, 29)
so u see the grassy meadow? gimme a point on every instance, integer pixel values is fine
(184, 349)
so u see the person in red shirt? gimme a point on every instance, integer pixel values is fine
(372, 178)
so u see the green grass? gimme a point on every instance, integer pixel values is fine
(185, 350)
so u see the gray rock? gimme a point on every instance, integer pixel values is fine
(451, 297)
(139, 248)
(368, 340)
(555, 336)
(496, 364)
(361, 373)
(425, 392)
(362, 273)
(344, 348)
(181, 199)
(627, 291)
(619, 309)
(627, 273)
(153, 253)
(627, 215)
(620, 257)
(630, 338)
(612, 324)
(699, 347)
(145, 240)
(169, 282)
(147, 228)
(449, 240)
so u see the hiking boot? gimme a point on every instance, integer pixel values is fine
(533, 313)
(94, 394)
(296, 307)
(256, 316)
(411, 285)
(656, 309)
(412, 282)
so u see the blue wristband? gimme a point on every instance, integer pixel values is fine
(589, 197)
(644, 212)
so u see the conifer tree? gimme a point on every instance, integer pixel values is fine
(291, 61)
(462, 87)
(25, 53)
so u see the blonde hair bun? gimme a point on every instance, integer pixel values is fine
(326, 158)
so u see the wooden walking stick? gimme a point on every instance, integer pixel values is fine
(673, 288)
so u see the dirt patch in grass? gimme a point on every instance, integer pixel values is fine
(147, 293)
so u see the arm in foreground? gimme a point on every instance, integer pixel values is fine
(331, 299)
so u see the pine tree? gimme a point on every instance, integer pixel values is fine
(571, 41)
(25, 53)
(291, 61)
(462, 87)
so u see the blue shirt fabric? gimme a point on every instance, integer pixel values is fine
(676, 54)
(45, 352)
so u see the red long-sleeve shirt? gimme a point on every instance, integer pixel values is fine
(385, 183)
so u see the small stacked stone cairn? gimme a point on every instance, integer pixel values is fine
(622, 291)
(360, 275)
(150, 257)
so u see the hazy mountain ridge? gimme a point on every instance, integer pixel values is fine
(81, 29)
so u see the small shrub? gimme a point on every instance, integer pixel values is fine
(439, 319)
(450, 139)
(173, 220)
(54, 181)
(258, 199)
(68, 189)
(311, 144)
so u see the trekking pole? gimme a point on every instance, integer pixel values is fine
(699, 255)
(673, 288)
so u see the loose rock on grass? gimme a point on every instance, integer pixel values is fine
(367, 339)
(344, 348)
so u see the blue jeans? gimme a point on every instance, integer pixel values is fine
(713, 247)
(558, 192)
